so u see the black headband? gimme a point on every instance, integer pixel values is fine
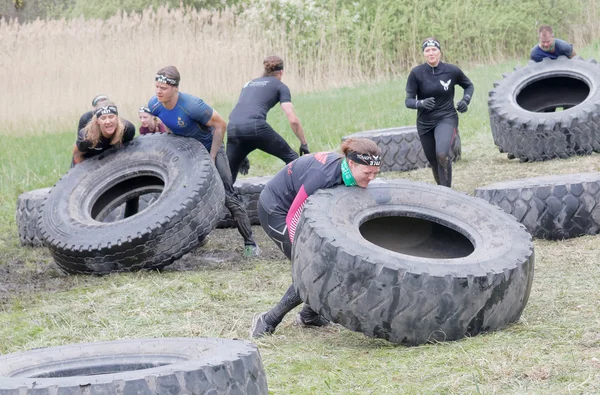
(364, 159)
(106, 110)
(145, 109)
(431, 43)
(98, 98)
(166, 80)
(279, 67)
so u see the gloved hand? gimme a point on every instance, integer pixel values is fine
(427, 104)
(304, 149)
(245, 166)
(462, 106)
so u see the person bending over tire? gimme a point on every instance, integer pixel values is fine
(105, 130)
(248, 128)
(86, 117)
(189, 116)
(550, 47)
(430, 90)
(150, 123)
(281, 202)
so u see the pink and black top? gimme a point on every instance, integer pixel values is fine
(286, 193)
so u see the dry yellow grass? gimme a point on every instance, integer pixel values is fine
(52, 69)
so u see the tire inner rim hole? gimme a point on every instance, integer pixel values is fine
(416, 237)
(553, 94)
(94, 370)
(127, 198)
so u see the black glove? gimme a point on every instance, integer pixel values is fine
(427, 104)
(245, 166)
(304, 149)
(462, 106)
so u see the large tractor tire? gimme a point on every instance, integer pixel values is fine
(551, 207)
(174, 366)
(547, 110)
(401, 149)
(411, 262)
(191, 198)
(29, 206)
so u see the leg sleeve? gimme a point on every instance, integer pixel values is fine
(232, 201)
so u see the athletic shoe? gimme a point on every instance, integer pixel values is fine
(251, 251)
(314, 321)
(260, 326)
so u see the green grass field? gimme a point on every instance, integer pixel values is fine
(554, 349)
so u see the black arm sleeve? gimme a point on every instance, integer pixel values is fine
(83, 145)
(83, 121)
(412, 87)
(467, 85)
(129, 131)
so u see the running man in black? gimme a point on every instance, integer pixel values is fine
(248, 128)
(430, 90)
(281, 202)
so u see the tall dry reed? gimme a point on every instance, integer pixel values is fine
(51, 69)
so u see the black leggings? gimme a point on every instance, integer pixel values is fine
(277, 230)
(437, 145)
(232, 201)
(246, 139)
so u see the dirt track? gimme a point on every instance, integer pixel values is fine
(18, 278)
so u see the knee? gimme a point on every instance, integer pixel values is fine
(442, 158)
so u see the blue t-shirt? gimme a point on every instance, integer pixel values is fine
(188, 118)
(560, 48)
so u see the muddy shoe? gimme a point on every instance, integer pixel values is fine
(251, 251)
(316, 320)
(260, 327)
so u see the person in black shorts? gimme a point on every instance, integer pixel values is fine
(430, 90)
(105, 130)
(248, 128)
(281, 202)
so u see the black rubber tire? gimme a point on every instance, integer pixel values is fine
(551, 207)
(29, 206)
(401, 148)
(188, 209)
(520, 126)
(404, 298)
(248, 189)
(172, 366)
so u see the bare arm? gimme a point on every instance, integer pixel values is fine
(288, 109)
(219, 127)
(77, 155)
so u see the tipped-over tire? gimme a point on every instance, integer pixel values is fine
(551, 207)
(178, 168)
(525, 106)
(248, 189)
(411, 262)
(401, 149)
(29, 208)
(175, 366)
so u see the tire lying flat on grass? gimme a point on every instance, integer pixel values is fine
(401, 149)
(143, 367)
(187, 210)
(522, 108)
(551, 207)
(29, 206)
(411, 262)
(248, 189)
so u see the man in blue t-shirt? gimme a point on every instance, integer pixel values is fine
(550, 47)
(189, 116)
